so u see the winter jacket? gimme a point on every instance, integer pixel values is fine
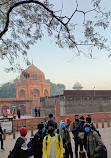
(94, 145)
(18, 152)
(67, 138)
(37, 145)
(47, 147)
(75, 127)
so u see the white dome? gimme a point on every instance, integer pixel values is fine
(77, 86)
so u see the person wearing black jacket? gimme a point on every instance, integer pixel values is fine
(51, 120)
(38, 141)
(19, 150)
(19, 113)
(1, 132)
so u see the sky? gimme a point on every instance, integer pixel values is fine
(63, 66)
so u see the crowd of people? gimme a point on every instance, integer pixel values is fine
(54, 141)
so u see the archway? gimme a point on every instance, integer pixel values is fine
(36, 93)
(23, 109)
(21, 93)
(45, 93)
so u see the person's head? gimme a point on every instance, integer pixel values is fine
(62, 124)
(87, 127)
(50, 117)
(76, 117)
(40, 127)
(67, 122)
(23, 131)
(51, 128)
(88, 119)
(82, 120)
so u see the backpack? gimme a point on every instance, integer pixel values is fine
(12, 154)
(30, 144)
(58, 139)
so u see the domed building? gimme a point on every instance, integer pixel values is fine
(32, 84)
(77, 86)
(29, 89)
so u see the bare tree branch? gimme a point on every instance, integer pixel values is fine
(28, 2)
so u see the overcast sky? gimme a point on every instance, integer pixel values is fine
(63, 66)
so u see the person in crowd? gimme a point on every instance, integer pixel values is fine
(44, 130)
(39, 111)
(19, 113)
(67, 123)
(63, 131)
(51, 120)
(35, 111)
(20, 149)
(1, 139)
(89, 120)
(37, 143)
(75, 127)
(3, 113)
(52, 143)
(14, 114)
(95, 146)
(6, 113)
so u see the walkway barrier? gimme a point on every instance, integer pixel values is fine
(102, 123)
(108, 123)
(82, 154)
(97, 125)
(4, 134)
(14, 133)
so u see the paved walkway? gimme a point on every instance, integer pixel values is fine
(22, 117)
(9, 142)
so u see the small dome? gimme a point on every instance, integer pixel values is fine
(34, 73)
(77, 86)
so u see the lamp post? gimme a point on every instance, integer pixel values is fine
(94, 91)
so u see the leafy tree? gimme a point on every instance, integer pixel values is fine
(8, 90)
(22, 23)
(56, 89)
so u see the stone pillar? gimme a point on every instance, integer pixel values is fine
(57, 114)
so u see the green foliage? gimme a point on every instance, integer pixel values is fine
(56, 89)
(8, 90)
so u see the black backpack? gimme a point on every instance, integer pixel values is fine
(30, 145)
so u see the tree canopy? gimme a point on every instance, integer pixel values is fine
(8, 90)
(22, 24)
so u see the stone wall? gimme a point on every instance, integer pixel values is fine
(28, 122)
(75, 105)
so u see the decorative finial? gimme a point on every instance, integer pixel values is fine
(32, 61)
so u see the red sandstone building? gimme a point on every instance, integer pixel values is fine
(28, 91)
